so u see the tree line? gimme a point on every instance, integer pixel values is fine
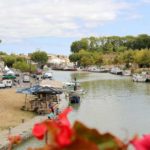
(112, 50)
(112, 43)
(25, 64)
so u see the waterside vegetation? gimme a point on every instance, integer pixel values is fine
(131, 51)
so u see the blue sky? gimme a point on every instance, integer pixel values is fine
(52, 25)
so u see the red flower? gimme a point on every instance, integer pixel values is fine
(39, 130)
(63, 116)
(63, 138)
(60, 129)
(143, 143)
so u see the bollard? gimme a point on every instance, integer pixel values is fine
(9, 130)
(22, 120)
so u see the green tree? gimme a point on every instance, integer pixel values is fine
(9, 60)
(142, 58)
(75, 58)
(78, 45)
(24, 67)
(2, 53)
(20, 59)
(85, 58)
(40, 57)
(128, 57)
(116, 60)
(98, 58)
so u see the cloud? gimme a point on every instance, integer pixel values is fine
(28, 19)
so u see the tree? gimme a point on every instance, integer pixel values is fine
(142, 58)
(9, 60)
(98, 58)
(128, 57)
(24, 67)
(78, 45)
(74, 57)
(2, 53)
(20, 59)
(87, 60)
(40, 57)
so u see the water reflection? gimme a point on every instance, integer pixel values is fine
(75, 106)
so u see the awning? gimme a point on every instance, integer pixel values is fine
(51, 83)
(28, 90)
(37, 89)
(48, 90)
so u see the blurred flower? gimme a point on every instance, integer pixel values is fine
(60, 129)
(64, 136)
(16, 139)
(62, 117)
(39, 130)
(142, 144)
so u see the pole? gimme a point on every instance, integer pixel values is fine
(75, 84)
(30, 72)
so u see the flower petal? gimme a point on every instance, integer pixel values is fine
(39, 130)
(63, 116)
(143, 143)
(63, 138)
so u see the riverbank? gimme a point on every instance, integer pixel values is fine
(25, 129)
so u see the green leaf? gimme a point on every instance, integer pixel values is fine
(104, 141)
(82, 144)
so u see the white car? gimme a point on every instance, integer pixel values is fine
(26, 78)
(2, 85)
(8, 83)
(48, 75)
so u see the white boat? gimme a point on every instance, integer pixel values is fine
(70, 84)
(73, 87)
(99, 70)
(116, 71)
(93, 69)
(139, 78)
(126, 73)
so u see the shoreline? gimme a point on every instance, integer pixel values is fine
(25, 129)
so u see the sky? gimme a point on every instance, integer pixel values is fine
(52, 25)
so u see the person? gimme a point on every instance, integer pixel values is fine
(51, 115)
(18, 82)
(57, 111)
(51, 107)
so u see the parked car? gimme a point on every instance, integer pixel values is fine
(33, 75)
(8, 83)
(26, 78)
(47, 75)
(2, 85)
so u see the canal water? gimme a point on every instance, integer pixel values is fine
(112, 103)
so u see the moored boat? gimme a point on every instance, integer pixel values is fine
(126, 73)
(69, 69)
(116, 71)
(139, 78)
(74, 99)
